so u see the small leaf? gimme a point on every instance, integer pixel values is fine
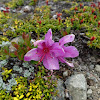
(12, 55)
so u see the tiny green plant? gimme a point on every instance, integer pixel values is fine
(6, 73)
(15, 3)
(37, 88)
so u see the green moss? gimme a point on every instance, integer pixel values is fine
(38, 88)
(6, 73)
(89, 23)
(15, 3)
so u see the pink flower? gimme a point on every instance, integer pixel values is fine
(51, 52)
(70, 51)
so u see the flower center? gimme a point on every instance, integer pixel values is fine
(46, 50)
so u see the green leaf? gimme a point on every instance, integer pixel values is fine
(12, 55)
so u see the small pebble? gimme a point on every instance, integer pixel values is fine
(2, 9)
(54, 16)
(65, 73)
(97, 68)
(93, 59)
(98, 91)
(89, 91)
(92, 87)
(82, 33)
(27, 9)
(91, 67)
(66, 93)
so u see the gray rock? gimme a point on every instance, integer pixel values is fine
(82, 33)
(11, 47)
(66, 93)
(32, 41)
(83, 67)
(91, 67)
(77, 87)
(26, 9)
(89, 91)
(93, 59)
(1, 33)
(66, 4)
(21, 11)
(2, 9)
(98, 61)
(92, 87)
(65, 73)
(14, 11)
(60, 89)
(54, 16)
(97, 68)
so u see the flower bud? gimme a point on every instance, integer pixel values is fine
(92, 38)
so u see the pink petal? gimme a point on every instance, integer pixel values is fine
(48, 35)
(51, 63)
(70, 51)
(66, 39)
(37, 42)
(57, 50)
(41, 44)
(69, 64)
(64, 61)
(48, 38)
(32, 55)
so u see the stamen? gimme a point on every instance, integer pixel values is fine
(41, 59)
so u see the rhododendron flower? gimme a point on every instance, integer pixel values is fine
(51, 52)
(70, 51)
